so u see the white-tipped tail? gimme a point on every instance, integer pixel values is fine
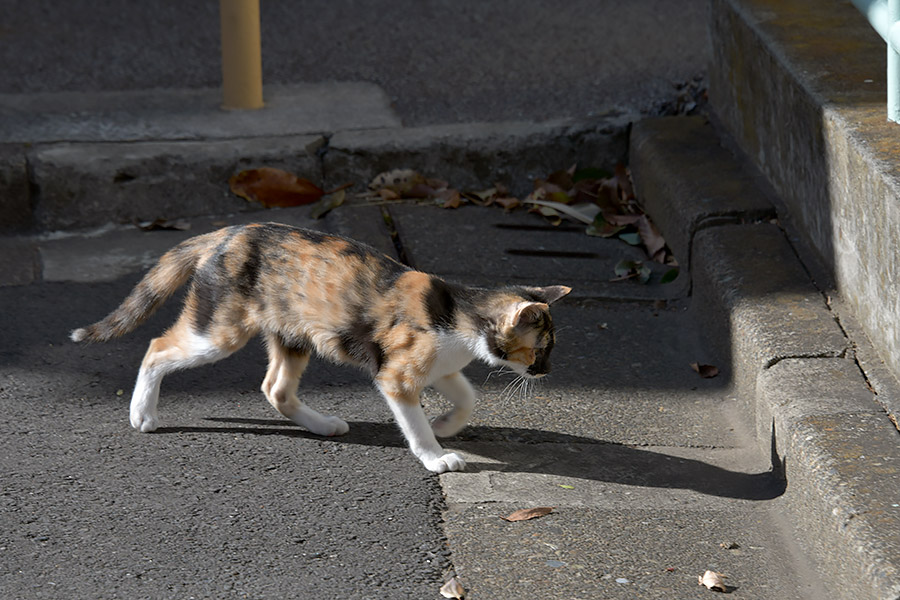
(78, 335)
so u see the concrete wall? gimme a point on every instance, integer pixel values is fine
(800, 85)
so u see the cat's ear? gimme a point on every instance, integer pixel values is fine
(550, 293)
(528, 313)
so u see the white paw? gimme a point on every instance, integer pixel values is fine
(448, 462)
(331, 426)
(144, 422)
(447, 425)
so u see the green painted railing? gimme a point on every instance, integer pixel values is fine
(884, 16)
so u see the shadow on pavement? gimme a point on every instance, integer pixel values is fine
(579, 457)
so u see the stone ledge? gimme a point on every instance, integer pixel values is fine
(477, 155)
(686, 180)
(807, 106)
(750, 284)
(86, 185)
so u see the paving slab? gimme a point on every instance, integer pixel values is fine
(108, 253)
(191, 114)
(90, 508)
(595, 552)
(19, 261)
(523, 248)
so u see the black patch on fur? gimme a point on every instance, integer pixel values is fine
(207, 290)
(358, 343)
(541, 365)
(360, 251)
(295, 343)
(248, 276)
(316, 237)
(440, 304)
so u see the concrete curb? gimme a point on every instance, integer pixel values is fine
(807, 106)
(789, 358)
(68, 185)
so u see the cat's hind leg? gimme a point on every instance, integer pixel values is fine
(286, 366)
(181, 347)
(457, 389)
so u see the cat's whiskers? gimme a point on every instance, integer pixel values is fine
(510, 388)
(521, 386)
(501, 371)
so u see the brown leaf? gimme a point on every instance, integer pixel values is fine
(165, 224)
(419, 190)
(482, 198)
(529, 513)
(608, 196)
(398, 180)
(586, 190)
(652, 239)
(508, 203)
(622, 220)
(438, 184)
(448, 198)
(326, 204)
(274, 187)
(548, 213)
(623, 177)
(705, 371)
(563, 179)
(453, 589)
(387, 194)
(713, 581)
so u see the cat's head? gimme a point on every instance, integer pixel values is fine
(522, 335)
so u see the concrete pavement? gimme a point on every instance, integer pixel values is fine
(649, 466)
(786, 459)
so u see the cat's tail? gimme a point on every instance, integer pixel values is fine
(160, 282)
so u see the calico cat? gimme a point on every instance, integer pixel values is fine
(304, 292)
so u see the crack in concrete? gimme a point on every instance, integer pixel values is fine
(811, 356)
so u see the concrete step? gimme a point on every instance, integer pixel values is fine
(800, 88)
(81, 160)
(793, 366)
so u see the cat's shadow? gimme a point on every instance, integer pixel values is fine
(518, 450)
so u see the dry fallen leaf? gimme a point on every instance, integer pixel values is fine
(529, 513)
(713, 581)
(653, 240)
(507, 202)
(705, 371)
(387, 194)
(453, 589)
(730, 545)
(482, 198)
(326, 204)
(448, 198)
(158, 224)
(274, 187)
(623, 176)
(400, 181)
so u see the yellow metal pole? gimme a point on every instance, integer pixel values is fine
(241, 54)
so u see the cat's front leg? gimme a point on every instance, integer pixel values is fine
(457, 389)
(418, 433)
